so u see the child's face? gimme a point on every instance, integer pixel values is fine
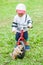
(20, 14)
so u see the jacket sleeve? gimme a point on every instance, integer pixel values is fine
(14, 24)
(29, 21)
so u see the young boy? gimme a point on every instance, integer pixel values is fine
(22, 19)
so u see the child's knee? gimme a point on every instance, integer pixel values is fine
(26, 35)
(17, 36)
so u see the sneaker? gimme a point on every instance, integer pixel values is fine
(27, 47)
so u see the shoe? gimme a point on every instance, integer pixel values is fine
(27, 47)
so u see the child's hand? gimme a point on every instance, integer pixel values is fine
(13, 30)
(30, 26)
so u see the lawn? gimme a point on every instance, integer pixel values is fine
(7, 38)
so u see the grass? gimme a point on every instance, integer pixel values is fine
(7, 40)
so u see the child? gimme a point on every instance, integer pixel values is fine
(22, 19)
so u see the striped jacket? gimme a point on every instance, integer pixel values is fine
(21, 23)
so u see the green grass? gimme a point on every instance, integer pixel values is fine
(7, 40)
